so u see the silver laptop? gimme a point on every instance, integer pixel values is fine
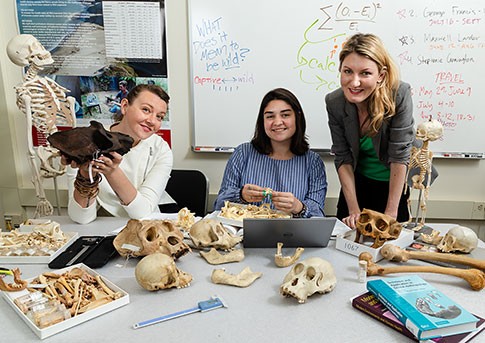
(292, 232)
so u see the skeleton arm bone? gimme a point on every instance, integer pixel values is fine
(44, 207)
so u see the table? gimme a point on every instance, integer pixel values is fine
(255, 314)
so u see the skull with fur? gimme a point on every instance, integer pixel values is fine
(378, 226)
(145, 237)
(459, 238)
(158, 271)
(313, 275)
(210, 233)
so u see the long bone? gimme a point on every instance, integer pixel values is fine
(395, 253)
(474, 277)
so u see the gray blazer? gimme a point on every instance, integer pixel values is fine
(392, 143)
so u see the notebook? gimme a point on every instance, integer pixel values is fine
(292, 232)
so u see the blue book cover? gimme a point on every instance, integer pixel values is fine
(423, 309)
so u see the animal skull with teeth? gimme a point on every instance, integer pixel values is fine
(210, 233)
(378, 226)
(459, 238)
(145, 237)
(313, 275)
(158, 271)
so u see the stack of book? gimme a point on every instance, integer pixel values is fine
(418, 310)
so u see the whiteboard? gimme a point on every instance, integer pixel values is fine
(241, 50)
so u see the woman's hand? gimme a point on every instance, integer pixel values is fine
(351, 220)
(286, 202)
(252, 193)
(106, 165)
(83, 168)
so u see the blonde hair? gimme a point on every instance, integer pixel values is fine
(382, 102)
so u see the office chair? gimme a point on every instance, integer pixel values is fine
(189, 188)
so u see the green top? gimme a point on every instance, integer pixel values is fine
(369, 164)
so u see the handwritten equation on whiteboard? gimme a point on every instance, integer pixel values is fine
(219, 53)
(431, 61)
(241, 52)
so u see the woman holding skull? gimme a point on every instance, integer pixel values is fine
(372, 127)
(134, 184)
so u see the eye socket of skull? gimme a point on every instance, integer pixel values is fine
(311, 273)
(151, 234)
(381, 225)
(172, 240)
(364, 218)
(298, 268)
(395, 230)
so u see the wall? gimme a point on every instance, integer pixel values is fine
(460, 186)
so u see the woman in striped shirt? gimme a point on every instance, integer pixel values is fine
(277, 166)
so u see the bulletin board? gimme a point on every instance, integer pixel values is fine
(241, 50)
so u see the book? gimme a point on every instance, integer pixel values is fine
(371, 306)
(422, 308)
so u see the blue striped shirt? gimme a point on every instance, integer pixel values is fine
(304, 176)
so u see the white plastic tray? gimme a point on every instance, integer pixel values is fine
(69, 323)
(71, 237)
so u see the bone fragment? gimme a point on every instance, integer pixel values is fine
(17, 285)
(245, 278)
(215, 257)
(285, 261)
(433, 238)
(104, 287)
(95, 304)
(62, 280)
(395, 253)
(474, 277)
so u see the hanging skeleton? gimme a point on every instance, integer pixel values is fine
(422, 159)
(45, 105)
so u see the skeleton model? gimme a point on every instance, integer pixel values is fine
(422, 158)
(45, 105)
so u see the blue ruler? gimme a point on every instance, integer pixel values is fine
(213, 303)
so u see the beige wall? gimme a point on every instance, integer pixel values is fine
(453, 197)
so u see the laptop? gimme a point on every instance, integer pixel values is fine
(292, 232)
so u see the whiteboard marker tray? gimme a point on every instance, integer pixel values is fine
(73, 321)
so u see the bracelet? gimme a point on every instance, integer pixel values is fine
(85, 187)
(302, 213)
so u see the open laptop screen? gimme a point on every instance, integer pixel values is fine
(292, 232)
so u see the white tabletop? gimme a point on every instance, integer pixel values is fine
(257, 313)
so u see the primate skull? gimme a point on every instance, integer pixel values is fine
(25, 49)
(145, 237)
(378, 226)
(308, 277)
(158, 271)
(210, 233)
(459, 238)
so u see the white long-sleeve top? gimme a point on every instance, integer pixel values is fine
(147, 166)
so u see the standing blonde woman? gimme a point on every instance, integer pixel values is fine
(371, 122)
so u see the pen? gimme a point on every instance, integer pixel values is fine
(5, 271)
(213, 303)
